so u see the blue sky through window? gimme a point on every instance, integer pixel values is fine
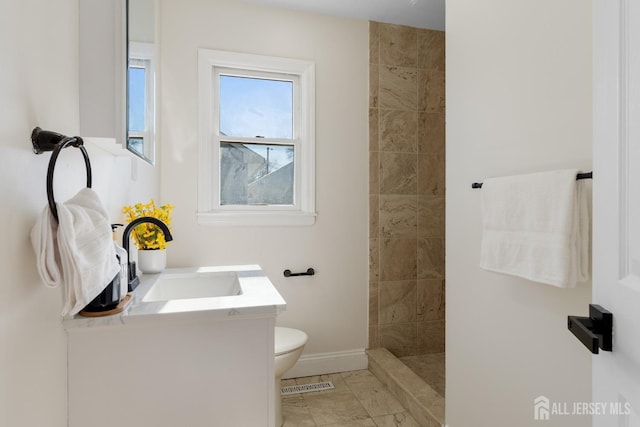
(253, 107)
(137, 99)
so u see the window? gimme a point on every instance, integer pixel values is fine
(256, 140)
(141, 100)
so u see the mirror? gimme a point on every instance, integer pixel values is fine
(142, 60)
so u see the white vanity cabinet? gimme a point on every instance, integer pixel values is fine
(167, 375)
(199, 362)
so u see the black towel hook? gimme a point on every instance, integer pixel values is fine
(42, 141)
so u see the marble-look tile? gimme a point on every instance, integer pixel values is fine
(335, 407)
(398, 86)
(431, 337)
(431, 49)
(423, 417)
(398, 259)
(373, 129)
(425, 404)
(431, 216)
(374, 216)
(337, 380)
(398, 131)
(397, 302)
(431, 175)
(398, 45)
(431, 91)
(374, 259)
(430, 258)
(358, 397)
(374, 337)
(402, 419)
(398, 216)
(429, 367)
(374, 86)
(294, 408)
(398, 173)
(373, 303)
(380, 360)
(431, 133)
(295, 412)
(359, 378)
(374, 172)
(338, 406)
(368, 422)
(374, 42)
(422, 401)
(430, 300)
(406, 118)
(371, 393)
(400, 338)
(390, 374)
(287, 383)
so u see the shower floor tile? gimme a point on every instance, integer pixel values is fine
(429, 367)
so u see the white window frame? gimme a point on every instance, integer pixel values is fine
(210, 212)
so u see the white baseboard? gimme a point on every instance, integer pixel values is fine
(328, 363)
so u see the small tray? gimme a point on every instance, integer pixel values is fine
(118, 309)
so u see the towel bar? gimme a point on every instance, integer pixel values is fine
(42, 141)
(585, 175)
(309, 272)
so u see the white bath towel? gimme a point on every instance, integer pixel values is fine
(536, 226)
(78, 253)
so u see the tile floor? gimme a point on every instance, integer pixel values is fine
(358, 400)
(425, 404)
(429, 367)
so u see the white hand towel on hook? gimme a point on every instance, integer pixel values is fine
(536, 226)
(77, 253)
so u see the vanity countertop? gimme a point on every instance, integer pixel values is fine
(259, 298)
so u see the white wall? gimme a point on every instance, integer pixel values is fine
(39, 87)
(331, 306)
(518, 101)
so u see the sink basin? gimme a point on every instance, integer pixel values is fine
(172, 286)
(195, 293)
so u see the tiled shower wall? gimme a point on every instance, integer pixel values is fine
(407, 146)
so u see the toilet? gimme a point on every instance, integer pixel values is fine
(289, 344)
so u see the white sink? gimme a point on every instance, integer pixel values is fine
(174, 285)
(195, 293)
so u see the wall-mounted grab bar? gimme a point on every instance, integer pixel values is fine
(586, 175)
(309, 272)
(42, 141)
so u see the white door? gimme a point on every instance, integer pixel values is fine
(616, 207)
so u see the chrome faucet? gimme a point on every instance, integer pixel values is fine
(134, 281)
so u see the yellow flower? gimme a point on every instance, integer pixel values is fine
(147, 235)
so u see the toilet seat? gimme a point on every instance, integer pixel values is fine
(288, 339)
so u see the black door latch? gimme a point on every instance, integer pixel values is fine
(595, 331)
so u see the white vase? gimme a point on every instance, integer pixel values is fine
(152, 260)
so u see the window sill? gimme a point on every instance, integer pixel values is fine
(109, 145)
(241, 218)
